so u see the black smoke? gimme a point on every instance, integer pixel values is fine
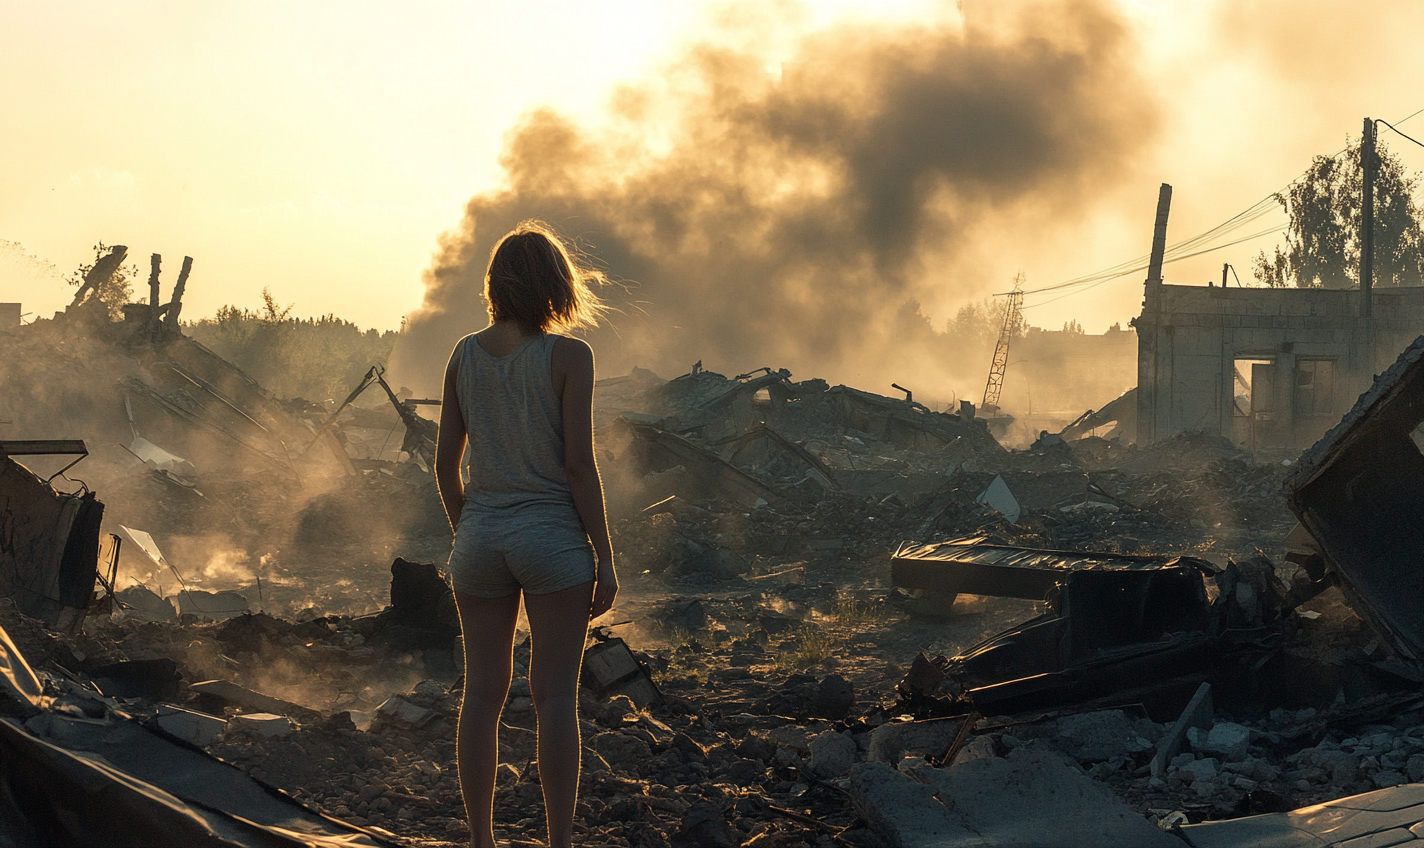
(800, 218)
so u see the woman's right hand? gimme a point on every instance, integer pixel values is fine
(605, 589)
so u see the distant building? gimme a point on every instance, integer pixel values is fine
(1267, 368)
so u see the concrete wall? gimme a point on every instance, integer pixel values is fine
(1190, 338)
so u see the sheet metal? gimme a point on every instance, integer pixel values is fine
(969, 566)
(112, 781)
(49, 546)
(1360, 493)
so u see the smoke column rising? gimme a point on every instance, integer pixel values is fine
(800, 219)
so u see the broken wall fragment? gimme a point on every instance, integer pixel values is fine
(49, 547)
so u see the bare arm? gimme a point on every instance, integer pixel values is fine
(450, 448)
(573, 379)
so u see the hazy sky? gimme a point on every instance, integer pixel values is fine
(320, 149)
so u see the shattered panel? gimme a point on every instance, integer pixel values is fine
(1360, 493)
(49, 544)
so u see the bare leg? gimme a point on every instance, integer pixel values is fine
(558, 626)
(488, 628)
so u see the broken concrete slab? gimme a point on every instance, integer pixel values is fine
(399, 712)
(1031, 799)
(198, 728)
(143, 604)
(610, 669)
(1000, 498)
(903, 812)
(214, 695)
(929, 738)
(1198, 713)
(1036, 798)
(1373, 820)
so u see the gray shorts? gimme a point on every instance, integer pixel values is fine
(540, 548)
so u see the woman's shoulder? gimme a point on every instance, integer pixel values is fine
(458, 352)
(570, 349)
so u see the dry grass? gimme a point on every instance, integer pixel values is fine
(813, 647)
(853, 612)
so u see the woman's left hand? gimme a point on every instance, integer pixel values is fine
(605, 589)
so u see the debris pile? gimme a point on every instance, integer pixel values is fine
(847, 619)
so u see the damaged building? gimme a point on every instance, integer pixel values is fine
(1270, 369)
(846, 619)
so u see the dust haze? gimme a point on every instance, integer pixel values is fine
(821, 201)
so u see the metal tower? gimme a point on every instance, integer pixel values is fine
(1012, 317)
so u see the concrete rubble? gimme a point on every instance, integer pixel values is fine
(847, 619)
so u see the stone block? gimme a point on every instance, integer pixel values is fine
(977, 748)
(1227, 740)
(890, 742)
(1101, 735)
(832, 754)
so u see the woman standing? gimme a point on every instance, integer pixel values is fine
(531, 521)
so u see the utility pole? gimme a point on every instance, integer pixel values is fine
(1159, 236)
(1367, 239)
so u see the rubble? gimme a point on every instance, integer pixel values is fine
(834, 636)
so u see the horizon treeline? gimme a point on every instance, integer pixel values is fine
(316, 359)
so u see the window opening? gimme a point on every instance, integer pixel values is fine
(1253, 387)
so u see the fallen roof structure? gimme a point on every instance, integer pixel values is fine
(1360, 493)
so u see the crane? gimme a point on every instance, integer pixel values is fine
(1013, 315)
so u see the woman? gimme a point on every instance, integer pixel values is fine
(531, 520)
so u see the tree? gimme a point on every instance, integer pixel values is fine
(113, 292)
(1323, 235)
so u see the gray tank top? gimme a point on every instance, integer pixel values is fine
(515, 424)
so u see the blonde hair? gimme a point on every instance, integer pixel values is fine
(535, 280)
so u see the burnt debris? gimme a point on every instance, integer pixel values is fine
(832, 600)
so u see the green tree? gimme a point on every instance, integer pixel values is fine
(113, 292)
(1323, 235)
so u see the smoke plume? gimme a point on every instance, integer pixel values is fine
(811, 213)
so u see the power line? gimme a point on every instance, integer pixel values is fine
(1391, 126)
(1176, 252)
(1142, 266)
